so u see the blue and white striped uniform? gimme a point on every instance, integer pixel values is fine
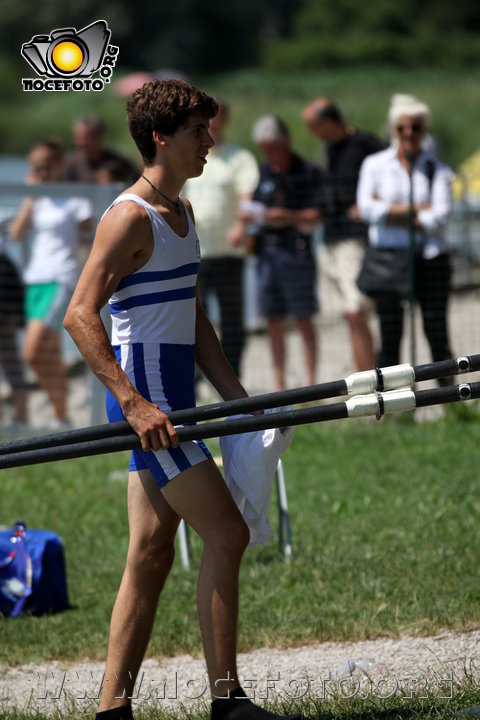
(153, 335)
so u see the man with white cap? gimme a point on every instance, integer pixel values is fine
(289, 193)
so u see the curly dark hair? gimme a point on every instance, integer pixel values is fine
(164, 106)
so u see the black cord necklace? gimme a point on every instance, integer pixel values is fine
(176, 203)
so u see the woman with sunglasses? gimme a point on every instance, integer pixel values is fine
(404, 193)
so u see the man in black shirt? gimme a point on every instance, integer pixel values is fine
(288, 192)
(345, 236)
(90, 158)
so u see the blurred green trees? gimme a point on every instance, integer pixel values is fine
(190, 35)
(204, 36)
(403, 34)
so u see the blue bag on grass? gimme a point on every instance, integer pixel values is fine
(32, 572)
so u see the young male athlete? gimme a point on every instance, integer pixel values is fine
(144, 261)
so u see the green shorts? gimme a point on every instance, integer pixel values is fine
(47, 302)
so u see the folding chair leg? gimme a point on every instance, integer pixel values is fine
(285, 537)
(184, 540)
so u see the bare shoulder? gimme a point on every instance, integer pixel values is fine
(188, 205)
(127, 221)
(124, 240)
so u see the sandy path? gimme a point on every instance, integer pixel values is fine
(405, 667)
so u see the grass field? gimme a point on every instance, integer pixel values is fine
(386, 536)
(465, 706)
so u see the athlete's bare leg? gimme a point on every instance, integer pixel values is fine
(153, 526)
(201, 497)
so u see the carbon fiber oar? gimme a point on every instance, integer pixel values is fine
(389, 378)
(377, 403)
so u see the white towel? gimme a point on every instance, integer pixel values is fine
(249, 464)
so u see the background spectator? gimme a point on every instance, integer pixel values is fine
(345, 236)
(289, 192)
(386, 181)
(429, 143)
(230, 177)
(83, 164)
(51, 273)
(11, 320)
(112, 171)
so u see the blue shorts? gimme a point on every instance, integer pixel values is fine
(161, 373)
(287, 280)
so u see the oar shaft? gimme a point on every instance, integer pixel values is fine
(68, 437)
(449, 394)
(376, 403)
(234, 426)
(359, 383)
(188, 416)
(446, 368)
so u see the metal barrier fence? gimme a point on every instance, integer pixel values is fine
(86, 395)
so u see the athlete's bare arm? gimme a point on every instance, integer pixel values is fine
(209, 356)
(123, 244)
(211, 360)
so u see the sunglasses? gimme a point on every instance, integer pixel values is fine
(415, 127)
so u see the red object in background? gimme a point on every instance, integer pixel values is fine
(131, 82)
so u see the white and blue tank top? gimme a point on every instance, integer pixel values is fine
(153, 315)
